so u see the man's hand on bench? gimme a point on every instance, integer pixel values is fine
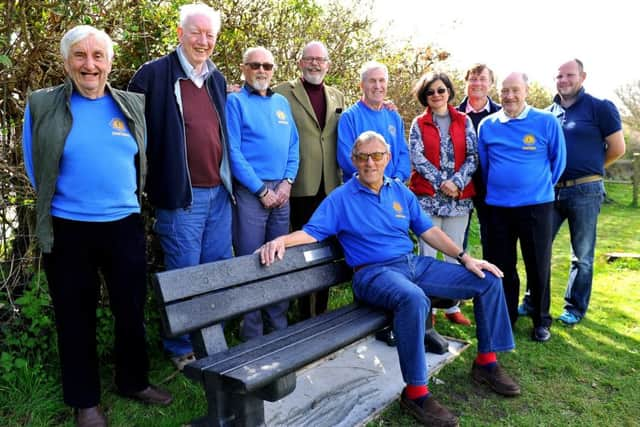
(272, 251)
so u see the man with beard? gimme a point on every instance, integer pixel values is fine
(263, 143)
(593, 132)
(316, 108)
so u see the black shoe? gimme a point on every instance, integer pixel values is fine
(541, 334)
(386, 335)
(434, 342)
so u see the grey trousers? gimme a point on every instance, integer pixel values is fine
(253, 225)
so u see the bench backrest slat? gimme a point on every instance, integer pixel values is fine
(201, 296)
(187, 282)
(205, 310)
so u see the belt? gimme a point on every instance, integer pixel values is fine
(577, 181)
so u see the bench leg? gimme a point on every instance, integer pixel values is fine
(228, 409)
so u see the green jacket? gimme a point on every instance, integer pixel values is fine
(318, 157)
(51, 123)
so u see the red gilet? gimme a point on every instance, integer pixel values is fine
(431, 142)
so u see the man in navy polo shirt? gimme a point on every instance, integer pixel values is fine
(371, 216)
(594, 139)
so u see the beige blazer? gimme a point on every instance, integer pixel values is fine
(317, 147)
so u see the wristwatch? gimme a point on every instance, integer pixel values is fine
(459, 257)
(289, 180)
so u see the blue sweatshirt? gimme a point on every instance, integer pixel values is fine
(263, 138)
(97, 180)
(522, 158)
(360, 118)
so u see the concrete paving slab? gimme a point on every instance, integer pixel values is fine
(349, 387)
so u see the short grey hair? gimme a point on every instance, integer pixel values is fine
(373, 65)
(247, 53)
(367, 136)
(189, 10)
(316, 43)
(81, 32)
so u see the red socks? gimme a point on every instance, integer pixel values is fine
(484, 359)
(414, 392)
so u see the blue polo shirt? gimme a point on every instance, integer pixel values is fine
(360, 118)
(371, 227)
(586, 124)
(522, 158)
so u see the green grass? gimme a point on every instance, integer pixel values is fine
(586, 375)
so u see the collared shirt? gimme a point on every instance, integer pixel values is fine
(470, 109)
(586, 124)
(522, 158)
(196, 77)
(371, 227)
(254, 91)
(502, 115)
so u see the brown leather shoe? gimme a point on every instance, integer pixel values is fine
(90, 417)
(458, 318)
(152, 395)
(496, 378)
(430, 414)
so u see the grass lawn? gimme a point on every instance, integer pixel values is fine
(586, 375)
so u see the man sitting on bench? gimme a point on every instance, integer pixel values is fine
(371, 217)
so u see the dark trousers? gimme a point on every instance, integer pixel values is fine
(80, 252)
(531, 225)
(254, 225)
(301, 210)
(482, 213)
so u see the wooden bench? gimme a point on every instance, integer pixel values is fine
(237, 381)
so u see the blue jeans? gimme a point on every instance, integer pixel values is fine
(195, 235)
(254, 225)
(403, 285)
(580, 206)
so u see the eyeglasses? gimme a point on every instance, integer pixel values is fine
(318, 59)
(440, 90)
(257, 65)
(376, 156)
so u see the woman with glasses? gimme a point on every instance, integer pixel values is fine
(444, 155)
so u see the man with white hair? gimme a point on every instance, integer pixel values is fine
(371, 216)
(84, 154)
(316, 108)
(263, 140)
(370, 113)
(189, 180)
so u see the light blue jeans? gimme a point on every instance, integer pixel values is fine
(403, 286)
(580, 206)
(195, 235)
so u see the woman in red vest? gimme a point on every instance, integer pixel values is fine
(444, 155)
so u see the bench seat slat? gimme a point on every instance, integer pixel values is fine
(205, 310)
(255, 369)
(246, 351)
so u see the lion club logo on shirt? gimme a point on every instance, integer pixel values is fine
(529, 142)
(398, 208)
(282, 117)
(118, 126)
(392, 130)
